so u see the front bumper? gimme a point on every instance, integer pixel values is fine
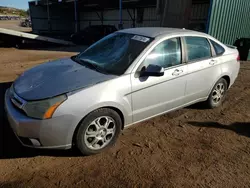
(51, 133)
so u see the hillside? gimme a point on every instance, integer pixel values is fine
(12, 11)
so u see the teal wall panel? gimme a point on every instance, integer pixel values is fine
(229, 19)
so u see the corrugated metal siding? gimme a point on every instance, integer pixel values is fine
(199, 12)
(176, 13)
(111, 17)
(198, 16)
(230, 19)
(60, 22)
(150, 18)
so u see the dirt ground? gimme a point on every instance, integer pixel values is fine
(13, 61)
(192, 147)
(14, 25)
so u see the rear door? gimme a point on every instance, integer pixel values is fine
(203, 68)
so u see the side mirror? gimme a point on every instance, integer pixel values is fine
(152, 70)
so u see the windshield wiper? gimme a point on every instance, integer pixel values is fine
(91, 65)
(88, 63)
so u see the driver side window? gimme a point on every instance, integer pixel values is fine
(165, 54)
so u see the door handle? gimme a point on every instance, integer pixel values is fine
(212, 62)
(177, 72)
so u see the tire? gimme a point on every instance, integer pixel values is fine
(215, 99)
(98, 131)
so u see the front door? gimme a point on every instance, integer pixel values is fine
(153, 96)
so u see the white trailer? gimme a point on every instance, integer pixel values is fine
(20, 38)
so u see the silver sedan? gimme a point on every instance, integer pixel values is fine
(127, 77)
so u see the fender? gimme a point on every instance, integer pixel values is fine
(225, 74)
(111, 104)
(107, 104)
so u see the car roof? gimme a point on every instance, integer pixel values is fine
(157, 31)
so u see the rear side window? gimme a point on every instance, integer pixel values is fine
(219, 50)
(197, 48)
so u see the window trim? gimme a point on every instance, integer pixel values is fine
(215, 54)
(196, 60)
(182, 50)
(212, 48)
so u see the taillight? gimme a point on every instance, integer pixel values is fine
(238, 58)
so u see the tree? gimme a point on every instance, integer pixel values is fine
(28, 12)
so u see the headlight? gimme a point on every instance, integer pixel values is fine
(43, 109)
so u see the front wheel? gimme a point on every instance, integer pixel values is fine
(218, 93)
(98, 131)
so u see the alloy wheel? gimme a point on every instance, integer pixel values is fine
(218, 93)
(99, 133)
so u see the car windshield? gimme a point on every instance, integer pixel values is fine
(114, 53)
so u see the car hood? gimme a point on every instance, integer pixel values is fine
(55, 78)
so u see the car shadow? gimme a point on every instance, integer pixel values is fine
(198, 106)
(11, 148)
(242, 129)
(9, 184)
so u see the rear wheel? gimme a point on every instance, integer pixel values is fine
(218, 93)
(98, 131)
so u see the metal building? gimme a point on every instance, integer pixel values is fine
(229, 19)
(224, 19)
